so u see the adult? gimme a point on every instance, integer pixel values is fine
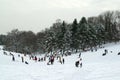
(80, 62)
(77, 63)
(79, 54)
(106, 51)
(63, 60)
(22, 58)
(13, 58)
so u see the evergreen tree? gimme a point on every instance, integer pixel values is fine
(67, 37)
(74, 44)
(83, 33)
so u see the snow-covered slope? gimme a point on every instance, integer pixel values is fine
(95, 67)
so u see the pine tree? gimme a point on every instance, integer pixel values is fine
(74, 44)
(83, 32)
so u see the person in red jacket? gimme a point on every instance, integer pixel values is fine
(35, 58)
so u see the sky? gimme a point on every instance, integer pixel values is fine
(36, 15)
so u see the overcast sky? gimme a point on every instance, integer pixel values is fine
(36, 15)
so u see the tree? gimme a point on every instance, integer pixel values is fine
(83, 35)
(21, 41)
(74, 44)
(108, 19)
(2, 39)
(42, 42)
(67, 37)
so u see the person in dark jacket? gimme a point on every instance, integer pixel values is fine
(22, 59)
(26, 62)
(35, 58)
(63, 60)
(79, 54)
(13, 58)
(77, 63)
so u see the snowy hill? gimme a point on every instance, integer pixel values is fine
(95, 67)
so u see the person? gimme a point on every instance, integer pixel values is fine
(80, 55)
(26, 62)
(18, 55)
(44, 58)
(106, 51)
(35, 58)
(52, 59)
(39, 59)
(77, 63)
(22, 59)
(118, 53)
(11, 54)
(81, 65)
(80, 62)
(63, 60)
(48, 63)
(60, 60)
(13, 58)
(80, 59)
(5, 53)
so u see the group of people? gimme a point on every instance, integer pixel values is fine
(79, 63)
(37, 59)
(22, 58)
(61, 59)
(105, 52)
(52, 59)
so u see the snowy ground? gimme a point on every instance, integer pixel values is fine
(95, 67)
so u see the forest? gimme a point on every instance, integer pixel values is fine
(80, 35)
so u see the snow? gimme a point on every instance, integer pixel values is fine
(95, 66)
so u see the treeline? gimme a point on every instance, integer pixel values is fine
(79, 35)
